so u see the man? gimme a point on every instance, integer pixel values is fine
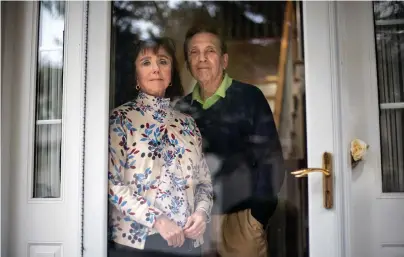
(238, 129)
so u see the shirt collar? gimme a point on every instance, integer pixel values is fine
(153, 101)
(221, 91)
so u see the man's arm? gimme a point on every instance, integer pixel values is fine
(257, 173)
(268, 164)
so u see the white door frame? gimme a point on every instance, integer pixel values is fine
(96, 129)
(329, 233)
(328, 229)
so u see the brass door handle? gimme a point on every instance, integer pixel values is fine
(328, 193)
(305, 172)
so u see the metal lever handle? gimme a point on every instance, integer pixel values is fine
(327, 179)
(304, 172)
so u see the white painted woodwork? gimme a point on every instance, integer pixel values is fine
(42, 227)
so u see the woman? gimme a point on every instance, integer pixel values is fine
(160, 189)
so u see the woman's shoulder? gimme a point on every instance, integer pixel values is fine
(124, 109)
(183, 116)
(188, 123)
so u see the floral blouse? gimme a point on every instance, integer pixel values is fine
(156, 167)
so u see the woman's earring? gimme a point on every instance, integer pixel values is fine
(137, 87)
(169, 84)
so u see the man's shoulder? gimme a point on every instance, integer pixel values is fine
(186, 98)
(184, 104)
(182, 115)
(245, 90)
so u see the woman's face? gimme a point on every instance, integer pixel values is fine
(153, 71)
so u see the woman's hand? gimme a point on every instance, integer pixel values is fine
(172, 233)
(196, 225)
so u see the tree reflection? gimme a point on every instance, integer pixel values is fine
(49, 86)
(389, 10)
(389, 16)
(55, 8)
(139, 20)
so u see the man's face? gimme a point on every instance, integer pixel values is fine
(205, 57)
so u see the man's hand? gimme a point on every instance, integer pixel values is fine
(172, 233)
(196, 225)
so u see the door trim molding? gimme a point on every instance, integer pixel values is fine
(96, 129)
(342, 160)
(9, 9)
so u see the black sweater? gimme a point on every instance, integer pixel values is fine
(240, 132)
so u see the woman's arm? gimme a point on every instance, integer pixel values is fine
(196, 223)
(132, 205)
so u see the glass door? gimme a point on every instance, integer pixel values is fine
(253, 33)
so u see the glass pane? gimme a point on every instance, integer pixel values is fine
(392, 147)
(389, 24)
(49, 99)
(253, 31)
(47, 161)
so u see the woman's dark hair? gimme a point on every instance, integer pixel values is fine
(175, 90)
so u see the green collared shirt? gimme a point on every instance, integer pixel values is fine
(220, 93)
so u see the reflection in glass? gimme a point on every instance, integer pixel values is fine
(47, 160)
(49, 99)
(389, 24)
(252, 31)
